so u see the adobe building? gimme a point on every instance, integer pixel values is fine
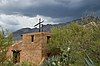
(32, 48)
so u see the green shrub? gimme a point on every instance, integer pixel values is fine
(88, 61)
(26, 64)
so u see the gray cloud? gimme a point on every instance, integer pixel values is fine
(50, 8)
(55, 10)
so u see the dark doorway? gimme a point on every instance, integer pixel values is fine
(16, 56)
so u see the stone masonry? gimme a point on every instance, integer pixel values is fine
(32, 48)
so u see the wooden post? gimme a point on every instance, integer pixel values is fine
(39, 24)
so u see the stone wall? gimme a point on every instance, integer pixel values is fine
(32, 52)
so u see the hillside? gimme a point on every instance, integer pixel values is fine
(47, 28)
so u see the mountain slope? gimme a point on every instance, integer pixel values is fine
(46, 28)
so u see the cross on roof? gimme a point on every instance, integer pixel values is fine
(40, 21)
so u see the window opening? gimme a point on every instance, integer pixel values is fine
(48, 39)
(32, 38)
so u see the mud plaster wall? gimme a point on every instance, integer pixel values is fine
(32, 52)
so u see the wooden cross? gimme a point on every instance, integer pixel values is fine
(40, 21)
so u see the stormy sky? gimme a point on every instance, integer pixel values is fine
(17, 14)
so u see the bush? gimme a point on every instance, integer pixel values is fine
(80, 39)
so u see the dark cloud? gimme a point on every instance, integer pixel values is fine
(51, 8)
(17, 14)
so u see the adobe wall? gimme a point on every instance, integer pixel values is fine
(32, 52)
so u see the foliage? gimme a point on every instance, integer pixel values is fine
(26, 64)
(63, 60)
(80, 39)
(6, 40)
(53, 61)
(10, 63)
(88, 61)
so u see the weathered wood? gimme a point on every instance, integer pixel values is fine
(40, 21)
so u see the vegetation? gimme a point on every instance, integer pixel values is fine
(79, 40)
(5, 41)
(88, 61)
(10, 63)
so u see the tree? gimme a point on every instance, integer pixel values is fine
(6, 40)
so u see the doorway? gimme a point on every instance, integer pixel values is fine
(16, 56)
